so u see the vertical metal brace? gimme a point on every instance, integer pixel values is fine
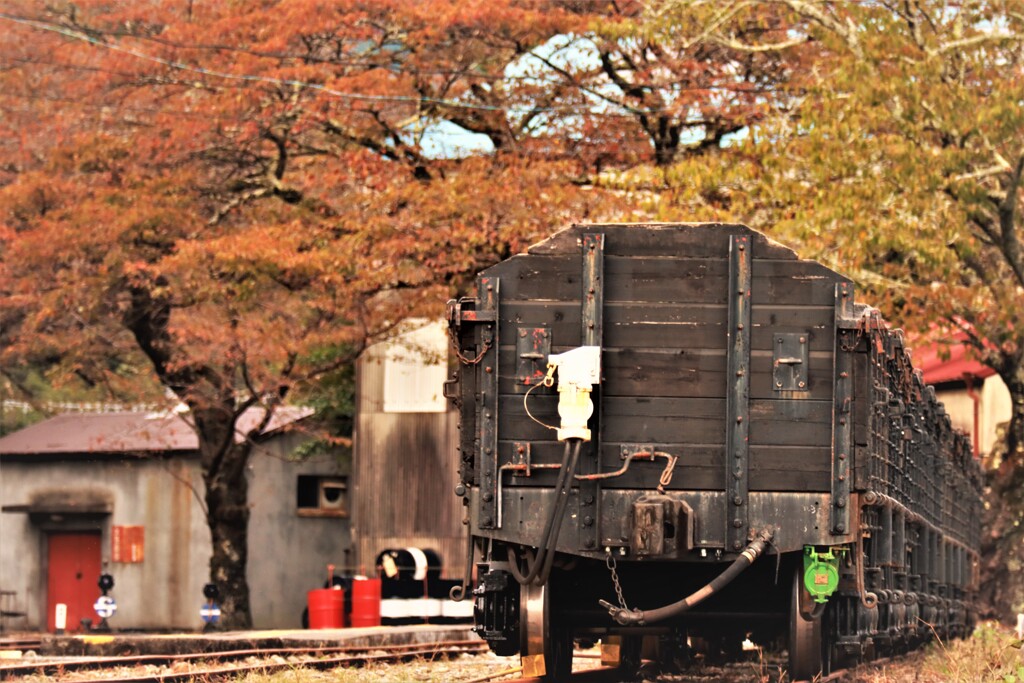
(737, 447)
(487, 382)
(842, 409)
(592, 316)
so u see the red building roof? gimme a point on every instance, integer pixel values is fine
(938, 368)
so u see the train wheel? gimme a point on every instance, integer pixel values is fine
(544, 637)
(809, 647)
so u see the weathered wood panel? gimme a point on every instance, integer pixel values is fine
(697, 240)
(682, 373)
(662, 325)
(664, 279)
(678, 420)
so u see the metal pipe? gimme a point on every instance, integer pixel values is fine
(539, 569)
(457, 593)
(636, 617)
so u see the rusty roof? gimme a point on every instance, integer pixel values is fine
(129, 432)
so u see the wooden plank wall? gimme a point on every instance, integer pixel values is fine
(664, 358)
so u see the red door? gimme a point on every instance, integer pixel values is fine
(74, 569)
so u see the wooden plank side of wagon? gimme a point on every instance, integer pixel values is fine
(665, 279)
(652, 326)
(708, 240)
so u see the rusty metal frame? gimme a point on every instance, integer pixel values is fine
(737, 448)
(842, 408)
(592, 334)
(487, 382)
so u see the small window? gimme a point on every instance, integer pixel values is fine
(322, 496)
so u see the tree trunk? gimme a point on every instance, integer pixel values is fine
(227, 513)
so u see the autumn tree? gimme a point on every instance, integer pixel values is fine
(236, 199)
(897, 157)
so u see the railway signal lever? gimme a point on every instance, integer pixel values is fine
(105, 605)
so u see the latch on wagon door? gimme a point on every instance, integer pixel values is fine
(789, 361)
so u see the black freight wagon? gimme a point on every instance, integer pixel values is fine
(647, 410)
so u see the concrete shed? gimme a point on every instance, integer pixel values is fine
(122, 492)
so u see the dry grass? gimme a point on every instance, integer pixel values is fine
(992, 655)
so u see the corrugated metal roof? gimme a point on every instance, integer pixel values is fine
(129, 432)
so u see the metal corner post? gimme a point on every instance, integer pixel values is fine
(842, 411)
(737, 450)
(592, 316)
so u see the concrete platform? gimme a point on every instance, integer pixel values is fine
(120, 644)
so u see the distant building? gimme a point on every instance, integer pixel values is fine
(405, 464)
(121, 492)
(975, 397)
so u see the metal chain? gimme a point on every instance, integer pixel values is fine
(609, 562)
(458, 352)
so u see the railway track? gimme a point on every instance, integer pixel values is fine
(212, 666)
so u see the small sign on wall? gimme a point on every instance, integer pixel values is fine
(127, 543)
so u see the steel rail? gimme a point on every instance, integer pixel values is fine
(347, 654)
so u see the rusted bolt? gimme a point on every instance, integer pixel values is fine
(840, 503)
(841, 528)
(842, 477)
(842, 456)
(802, 384)
(736, 523)
(844, 375)
(588, 521)
(739, 373)
(488, 450)
(742, 246)
(520, 449)
(740, 326)
(488, 369)
(778, 384)
(739, 418)
(590, 543)
(522, 333)
(736, 545)
(486, 521)
(737, 500)
(488, 497)
(588, 499)
(490, 288)
(590, 291)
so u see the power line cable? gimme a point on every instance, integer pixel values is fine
(294, 83)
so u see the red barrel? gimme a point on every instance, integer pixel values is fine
(326, 608)
(365, 602)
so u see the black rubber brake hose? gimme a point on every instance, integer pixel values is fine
(540, 568)
(631, 617)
